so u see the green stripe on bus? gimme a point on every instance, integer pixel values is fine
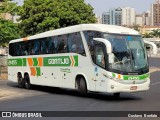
(135, 77)
(76, 60)
(113, 74)
(38, 71)
(15, 62)
(24, 62)
(35, 61)
(47, 61)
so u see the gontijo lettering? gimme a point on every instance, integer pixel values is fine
(58, 61)
(61, 61)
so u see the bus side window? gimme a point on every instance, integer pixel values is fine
(31, 47)
(51, 46)
(80, 47)
(70, 43)
(59, 45)
(25, 48)
(75, 43)
(12, 49)
(18, 49)
(62, 44)
(43, 46)
(65, 39)
(36, 47)
(55, 44)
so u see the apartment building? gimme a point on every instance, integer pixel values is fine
(143, 19)
(128, 16)
(155, 13)
(112, 17)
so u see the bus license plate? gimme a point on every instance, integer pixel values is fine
(133, 88)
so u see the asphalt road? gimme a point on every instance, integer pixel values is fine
(41, 98)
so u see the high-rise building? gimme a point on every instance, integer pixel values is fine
(147, 18)
(143, 19)
(128, 16)
(105, 18)
(112, 17)
(118, 16)
(155, 13)
(139, 19)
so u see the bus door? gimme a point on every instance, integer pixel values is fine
(100, 67)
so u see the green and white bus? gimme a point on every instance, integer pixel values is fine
(86, 57)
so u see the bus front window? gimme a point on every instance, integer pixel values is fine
(128, 53)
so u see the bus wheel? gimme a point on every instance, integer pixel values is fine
(27, 82)
(82, 88)
(116, 95)
(20, 81)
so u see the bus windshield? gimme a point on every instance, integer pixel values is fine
(128, 53)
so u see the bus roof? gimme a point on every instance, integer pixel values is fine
(82, 27)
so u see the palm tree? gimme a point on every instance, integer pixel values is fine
(147, 35)
(156, 33)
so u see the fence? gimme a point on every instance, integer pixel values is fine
(3, 67)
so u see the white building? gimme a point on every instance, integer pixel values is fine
(139, 20)
(112, 17)
(147, 18)
(105, 18)
(128, 16)
(155, 13)
(143, 19)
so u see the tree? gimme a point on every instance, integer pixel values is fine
(42, 15)
(147, 35)
(8, 31)
(9, 7)
(156, 33)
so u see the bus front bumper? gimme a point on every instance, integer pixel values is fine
(116, 87)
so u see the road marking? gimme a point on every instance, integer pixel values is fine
(155, 83)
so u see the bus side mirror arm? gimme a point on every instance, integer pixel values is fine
(106, 42)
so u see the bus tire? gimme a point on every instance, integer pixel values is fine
(27, 82)
(82, 88)
(116, 95)
(20, 81)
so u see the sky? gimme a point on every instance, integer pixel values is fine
(101, 6)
